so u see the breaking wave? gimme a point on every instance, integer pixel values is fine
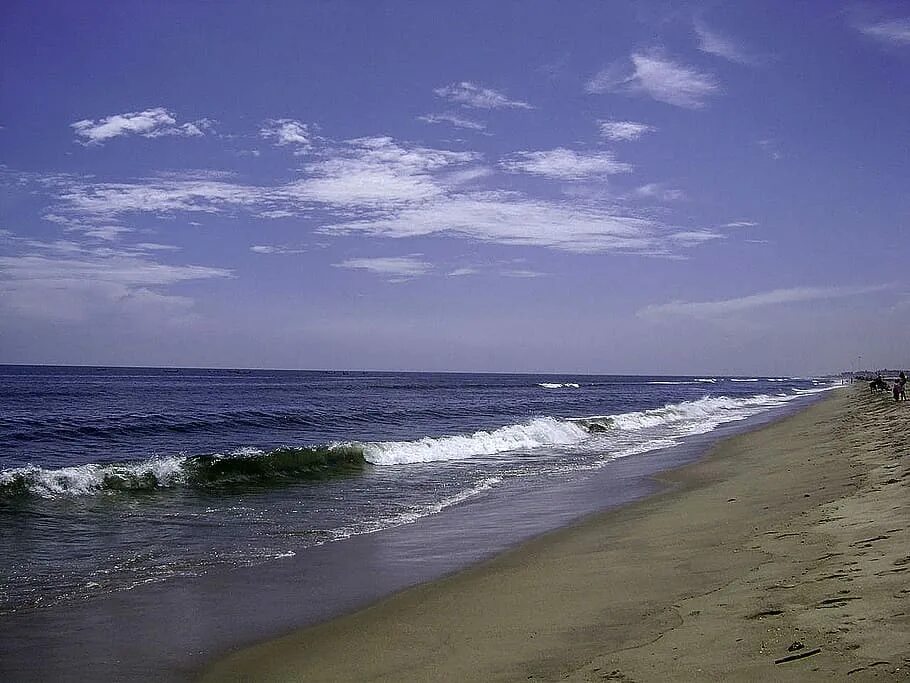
(246, 466)
(695, 417)
(542, 431)
(556, 385)
(256, 467)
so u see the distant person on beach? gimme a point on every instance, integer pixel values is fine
(878, 384)
(900, 387)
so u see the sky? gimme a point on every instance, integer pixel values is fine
(565, 186)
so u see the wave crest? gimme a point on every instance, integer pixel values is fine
(259, 468)
(542, 431)
(248, 466)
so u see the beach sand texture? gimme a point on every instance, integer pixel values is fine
(790, 540)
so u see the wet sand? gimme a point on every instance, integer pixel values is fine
(782, 555)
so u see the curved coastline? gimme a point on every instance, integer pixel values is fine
(181, 629)
(746, 552)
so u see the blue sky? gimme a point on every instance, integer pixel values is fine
(619, 187)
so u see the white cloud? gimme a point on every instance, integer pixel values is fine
(159, 196)
(375, 173)
(658, 77)
(67, 281)
(721, 46)
(362, 174)
(511, 218)
(624, 131)
(770, 148)
(453, 119)
(465, 176)
(470, 94)
(462, 272)
(565, 164)
(740, 224)
(398, 267)
(712, 309)
(276, 213)
(692, 238)
(522, 273)
(386, 188)
(275, 249)
(658, 192)
(285, 132)
(151, 123)
(109, 233)
(154, 246)
(894, 32)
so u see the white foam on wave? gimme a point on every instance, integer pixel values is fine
(695, 417)
(818, 389)
(542, 431)
(646, 447)
(707, 380)
(556, 385)
(90, 478)
(668, 422)
(416, 512)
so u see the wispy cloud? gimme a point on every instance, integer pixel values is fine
(740, 224)
(108, 233)
(624, 131)
(462, 272)
(365, 173)
(397, 267)
(723, 307)
(658, 192)
(470, 94)
(719, 45)
(65, 280)
(692, 238)
(287, 132)
(522, 273)
(895, 32)
(771, 148)
(151, 123)
(86, 201)
(512, 218)
(565, 164)
(658, 77)
(454, 120)
(276, 249)
(381, 187)
(375, 173)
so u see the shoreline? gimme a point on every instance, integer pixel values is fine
(172, 630)
(741, 557)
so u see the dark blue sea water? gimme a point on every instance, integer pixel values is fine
(111, 478)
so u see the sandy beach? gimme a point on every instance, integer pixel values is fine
(782, 555)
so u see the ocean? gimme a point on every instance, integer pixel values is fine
(112, 479)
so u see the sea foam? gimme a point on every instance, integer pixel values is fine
(543, 431)
(253, 466)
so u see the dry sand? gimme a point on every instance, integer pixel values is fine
(790, 540)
